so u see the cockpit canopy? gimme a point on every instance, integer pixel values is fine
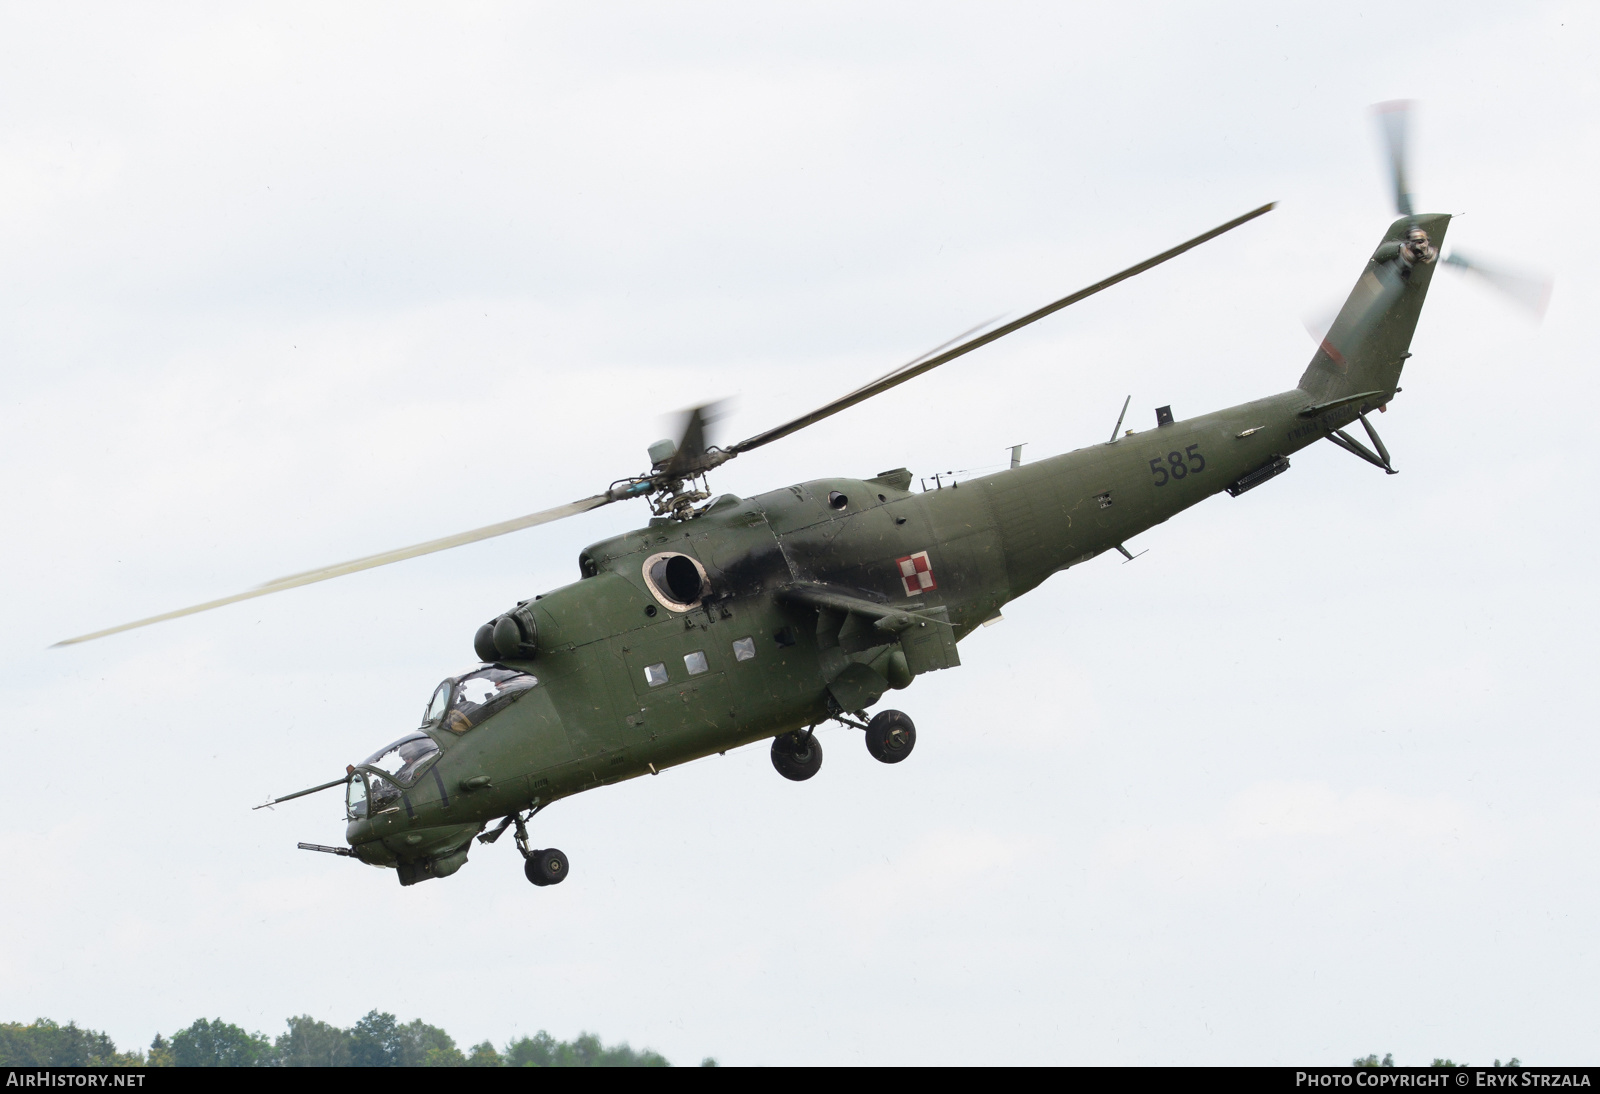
(400, 763)
(463, 702)
(404, 760)
(458, 704)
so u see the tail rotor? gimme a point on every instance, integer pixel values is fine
(1394, 123)
(1528, 290)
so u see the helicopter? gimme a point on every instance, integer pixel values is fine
(726, 621)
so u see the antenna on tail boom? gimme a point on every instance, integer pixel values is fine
(1121, 416)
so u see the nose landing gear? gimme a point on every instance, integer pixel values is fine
(546, 867)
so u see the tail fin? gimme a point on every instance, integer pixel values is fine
(1370, 340)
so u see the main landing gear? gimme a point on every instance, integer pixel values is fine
(891, 735)
(797, 756)
(546, 867)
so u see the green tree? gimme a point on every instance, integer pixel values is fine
(46, 1044)
(375, 1041)
(422, 1045)
(535, 1051)
(586, 1050)
(310, 1043)
(218, 1044)
(484, 1055)
(1372, 1060)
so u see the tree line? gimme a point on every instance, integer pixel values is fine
(1371, 1060)
(378, 1040)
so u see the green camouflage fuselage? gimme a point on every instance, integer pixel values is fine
(772, 562)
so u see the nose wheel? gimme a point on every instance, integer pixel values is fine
(547, 867)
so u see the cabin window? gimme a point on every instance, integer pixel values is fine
(355, 797)
(655, 675)
(744, 649)
(695, 662)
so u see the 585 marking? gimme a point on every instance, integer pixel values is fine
(1178, 465)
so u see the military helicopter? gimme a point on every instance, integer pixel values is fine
(726, 621)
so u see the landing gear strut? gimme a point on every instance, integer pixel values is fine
(891, 735)
(797, 756)
(546, 867)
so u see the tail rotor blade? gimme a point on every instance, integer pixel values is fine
(1394, 120)
(1319, 322)
(1371, 298)
(1531, 291)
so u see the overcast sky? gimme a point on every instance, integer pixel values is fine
(286, 285)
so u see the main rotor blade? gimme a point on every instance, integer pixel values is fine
(918, 366)
(369, 562)
(1393, 121)
(690, 456)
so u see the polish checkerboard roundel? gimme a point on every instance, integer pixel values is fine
(916, 573)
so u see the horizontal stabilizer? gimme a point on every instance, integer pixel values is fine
(1335, 404)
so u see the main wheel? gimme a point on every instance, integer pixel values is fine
(891, 736)
(797, 756)
(547, 867)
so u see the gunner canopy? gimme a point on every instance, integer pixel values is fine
(401, 762)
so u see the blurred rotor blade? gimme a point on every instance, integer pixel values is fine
(1318, 323)
(690, 457)
(1532, 291)
(1368, 301)
(1393, 122)
(367, 563)
(917, 366)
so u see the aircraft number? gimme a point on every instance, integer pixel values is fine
(1177, 465)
